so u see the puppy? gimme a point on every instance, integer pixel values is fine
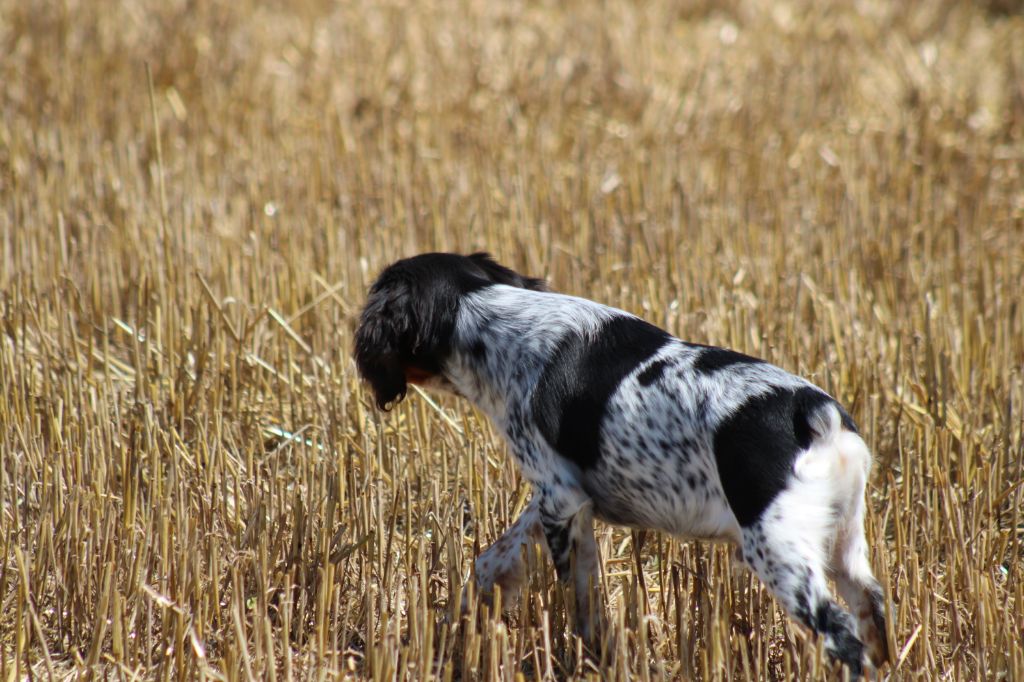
(611, 417)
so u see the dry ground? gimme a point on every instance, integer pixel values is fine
(193, 484)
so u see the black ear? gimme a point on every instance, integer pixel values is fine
(407, 324)
(499, 274)
(384, 328)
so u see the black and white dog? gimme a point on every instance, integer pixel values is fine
(610, 417)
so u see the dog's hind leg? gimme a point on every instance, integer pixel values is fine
(790, 546)
(787, 551)
(863, 594)
(849, 562)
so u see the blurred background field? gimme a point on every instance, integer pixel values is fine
(193, 484)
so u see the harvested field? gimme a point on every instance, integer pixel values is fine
(195, 196)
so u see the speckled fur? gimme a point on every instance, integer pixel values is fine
(609, 417)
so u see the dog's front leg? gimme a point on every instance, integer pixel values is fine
(569, 530)
(502, 563)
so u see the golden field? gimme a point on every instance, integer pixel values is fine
(195, 196)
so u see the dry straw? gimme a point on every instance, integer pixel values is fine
(193, 484)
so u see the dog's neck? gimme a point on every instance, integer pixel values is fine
(505, 337)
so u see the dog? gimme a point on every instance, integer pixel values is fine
(609, 416)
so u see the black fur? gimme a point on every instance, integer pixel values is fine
(572, 395)
(756, 446)
(410, 316)
(713, 359)
(652, 372)
(846, 420)
(838, 626)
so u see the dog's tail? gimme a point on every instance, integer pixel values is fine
(835, 451)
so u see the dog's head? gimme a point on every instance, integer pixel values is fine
(405, 331)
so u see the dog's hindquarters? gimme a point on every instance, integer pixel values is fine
(813, 529)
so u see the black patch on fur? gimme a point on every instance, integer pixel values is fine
(713, 359)
(802, 597)
(847, 420)
(806, 401)
(557, 536)
(756, 446)
(652, 372)
(499, 274)
(843, 645)
(571, 397)
(410, 315)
